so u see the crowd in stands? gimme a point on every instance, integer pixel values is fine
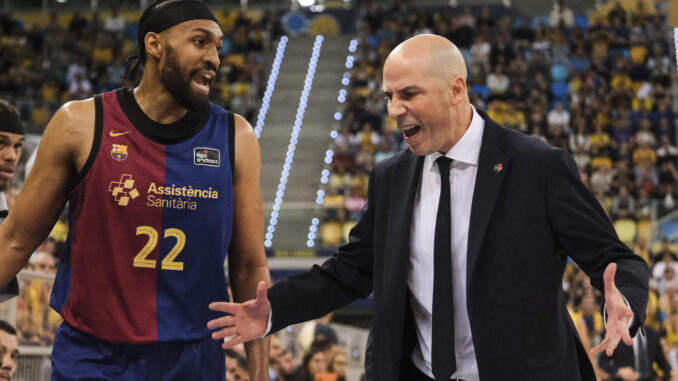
(72, 56)
(598, 86)
(322, 358)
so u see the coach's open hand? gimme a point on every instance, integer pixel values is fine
(618, 315)
(246, 321)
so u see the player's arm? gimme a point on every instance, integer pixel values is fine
(247, 263)
(45, 192)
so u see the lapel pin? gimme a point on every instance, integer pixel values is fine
(498, 168)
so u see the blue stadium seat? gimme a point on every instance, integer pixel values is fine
(131, 31)
(617, 50)
(582, 21)
(559, 72)
(466, 53)
(539, 19)
(559, 90)
(669, 228)
(481, 90)
(578, 64)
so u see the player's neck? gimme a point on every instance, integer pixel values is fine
(158, 104)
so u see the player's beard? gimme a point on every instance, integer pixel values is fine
(178, 85)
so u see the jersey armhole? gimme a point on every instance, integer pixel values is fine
(231, 143)
(96, 143)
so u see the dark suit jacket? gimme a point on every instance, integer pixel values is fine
(525, 220)
(623, 356)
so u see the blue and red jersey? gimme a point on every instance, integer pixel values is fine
(151, 216)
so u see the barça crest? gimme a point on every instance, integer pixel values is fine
(119, 152)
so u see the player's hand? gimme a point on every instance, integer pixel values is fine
(246, 321)
(618, 315)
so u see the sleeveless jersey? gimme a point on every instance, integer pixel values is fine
(150, 225)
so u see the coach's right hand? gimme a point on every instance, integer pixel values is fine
(246, 321)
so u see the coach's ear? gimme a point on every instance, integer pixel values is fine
(154, 45)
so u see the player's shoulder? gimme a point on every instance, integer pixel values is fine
(77, 114)
(240, 122)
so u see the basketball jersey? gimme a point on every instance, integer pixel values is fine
(151, 215)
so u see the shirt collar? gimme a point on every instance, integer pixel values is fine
(467, 149)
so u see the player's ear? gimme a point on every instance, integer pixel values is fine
(154, 44)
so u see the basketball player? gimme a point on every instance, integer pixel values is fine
(11, 143)
(161, 184)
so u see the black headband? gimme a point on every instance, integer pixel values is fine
(9, 122)
(161, 18)
(173, 13)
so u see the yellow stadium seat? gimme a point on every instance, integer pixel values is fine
(330, 232)
(626, 230)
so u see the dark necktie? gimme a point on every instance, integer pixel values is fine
(643, 369)
(443, 359)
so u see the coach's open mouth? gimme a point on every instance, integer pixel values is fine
(411, 130)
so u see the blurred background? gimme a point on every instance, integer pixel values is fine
(596, 78)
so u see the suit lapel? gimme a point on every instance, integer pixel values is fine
(493, 164)
(404, 184)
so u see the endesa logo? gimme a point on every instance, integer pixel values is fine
(206, 156)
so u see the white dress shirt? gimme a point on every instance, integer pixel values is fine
(422, 234)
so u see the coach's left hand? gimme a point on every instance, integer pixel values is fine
(618, 315)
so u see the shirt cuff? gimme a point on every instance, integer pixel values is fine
(269, 325)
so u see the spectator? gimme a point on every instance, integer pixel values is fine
(467, 19)
(115, 24)
(314, 362)
(601, 148)
(236, 366)
(80, 87)
(667, 173)
(367, 139)
(559, 116)
(561, 16)
(666, 151)
(556, 137)
(497, 83)
(660, 267)
(9, 351)
(665, 250)
(635, 362)
(590, 313)
(522, 34)
(617, 12)
(284, 366)
(644, 157)
(645, 134)
(601, 179)
(623, 200)
(274, 352)
(337, 364)
(77, 24)
(480, 53)
(668, 278)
